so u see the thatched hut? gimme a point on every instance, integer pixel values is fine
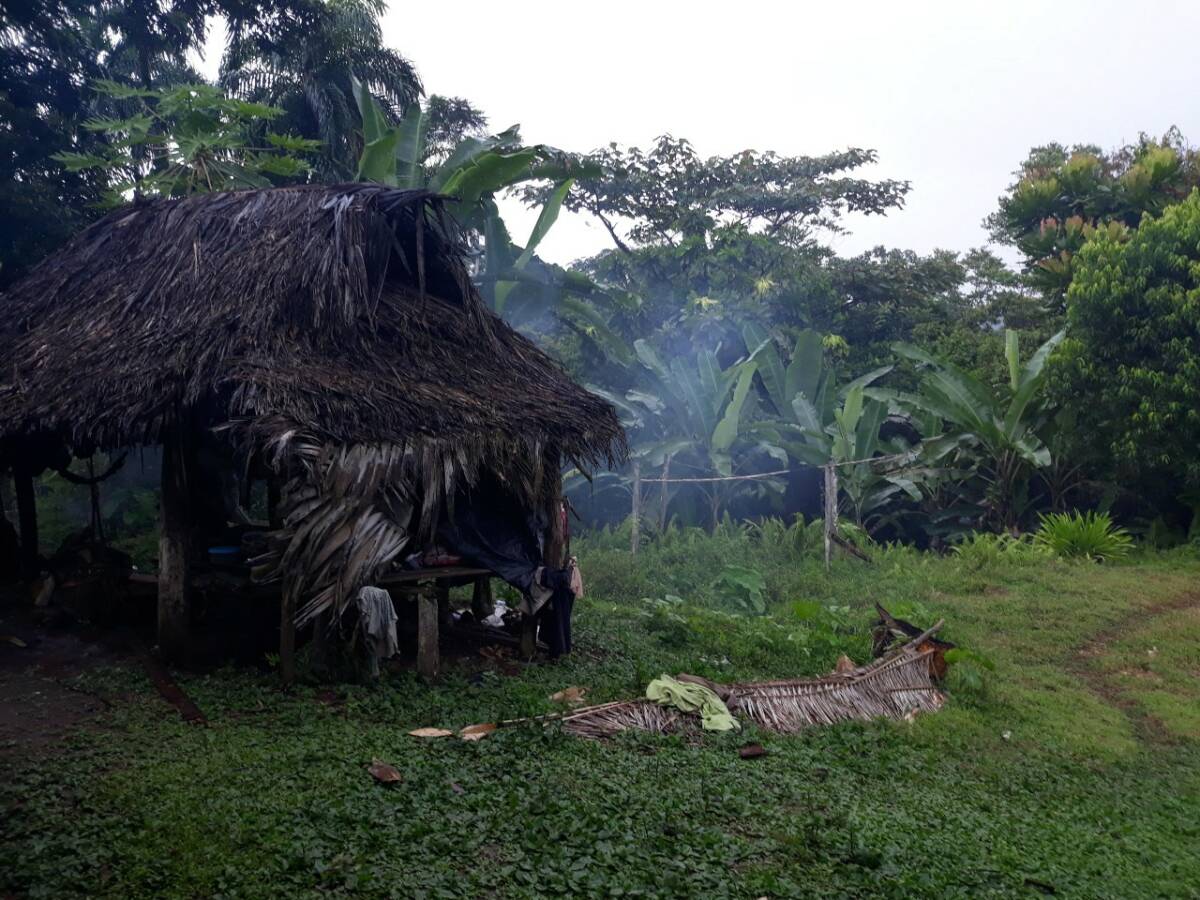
(326, 337)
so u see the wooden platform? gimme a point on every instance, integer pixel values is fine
(429, 587)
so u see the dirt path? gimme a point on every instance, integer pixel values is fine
(38, 705)
(1082, 665)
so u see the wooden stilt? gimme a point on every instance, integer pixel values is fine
(27, 521)
(174, 547)
(442, 592)
(554, 553)
(427, 633)
(528, 637)
(482, 604)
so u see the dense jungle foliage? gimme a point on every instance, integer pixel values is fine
(951, 392)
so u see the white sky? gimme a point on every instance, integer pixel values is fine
(951, 94)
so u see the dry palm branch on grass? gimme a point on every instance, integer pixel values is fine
(899, 684)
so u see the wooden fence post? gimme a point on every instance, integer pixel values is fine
(831, 510)
(635, 514)
(174, 548)
(663, 497)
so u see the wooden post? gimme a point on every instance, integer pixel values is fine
(831, 510)
(174, 547)
(26, 521)
(636, 512)
(554, 551)
(482, 604)
(663, 497)
(287, 636)
(427, 633)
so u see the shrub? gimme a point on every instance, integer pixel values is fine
(741, 588)
(982, 550)
(1088, 535)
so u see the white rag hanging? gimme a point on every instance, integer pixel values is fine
(377, 621)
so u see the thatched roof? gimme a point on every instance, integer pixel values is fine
(343, 313)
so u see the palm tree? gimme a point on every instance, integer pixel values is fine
(305, 62)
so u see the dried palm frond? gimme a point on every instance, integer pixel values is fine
(894, 687)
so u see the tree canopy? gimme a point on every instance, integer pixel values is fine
(1131, 366)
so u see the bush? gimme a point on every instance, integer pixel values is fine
(1088, 535)
(982, 550)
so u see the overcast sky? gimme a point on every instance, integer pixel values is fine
(952, 95)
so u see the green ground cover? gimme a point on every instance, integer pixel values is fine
(1073, 767)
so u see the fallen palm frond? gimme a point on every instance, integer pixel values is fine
(895, 686)
(890, 631)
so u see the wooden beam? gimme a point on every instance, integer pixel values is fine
(27, 521)
(427, 633)
(174, 549)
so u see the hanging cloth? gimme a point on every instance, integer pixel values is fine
(377, 624)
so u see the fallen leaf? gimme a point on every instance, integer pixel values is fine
(430, 732)
(752, 751)
(477, 732)
(384, 773)
(572, 695)
(14, 640)
(845, 665)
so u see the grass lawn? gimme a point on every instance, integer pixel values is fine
(1073, 768)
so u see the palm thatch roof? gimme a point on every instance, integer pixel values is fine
(342, 313)
(331, 331)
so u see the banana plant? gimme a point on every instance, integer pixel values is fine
(997, 429)
(820, 422)
(474, 173)
(688, 412)
(852, 442)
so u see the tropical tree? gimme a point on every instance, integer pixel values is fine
(1064, 197)
(304, 59)
(47, 59)
(477, 170)
(819, 423)
(1130, 368)
(993, 434)
(185, 140)
(696, 410)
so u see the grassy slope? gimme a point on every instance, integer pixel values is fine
(1077, 766)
